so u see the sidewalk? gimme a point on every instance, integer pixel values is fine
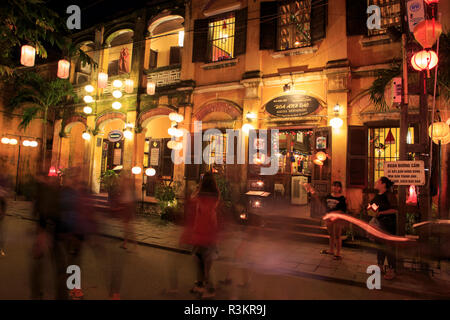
(278, 255)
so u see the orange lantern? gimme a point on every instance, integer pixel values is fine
(321, 156)
(443, 140)
(427, 32)
(440, 130)
(27, 55)
(63, 69)
(102, 80)
(318, 162)
(424, 60)
(129, 86)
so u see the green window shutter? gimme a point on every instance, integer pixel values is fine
(319, 19)
(200, 40)
(240, 39)
(357, 157)
(268, 25)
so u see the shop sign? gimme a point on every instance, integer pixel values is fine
(416, 13)
(115, 135)
(154, 153)
(294, 105)
(405, 173)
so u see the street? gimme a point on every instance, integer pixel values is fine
(149, 273)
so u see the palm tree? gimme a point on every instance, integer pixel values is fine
(40, 96)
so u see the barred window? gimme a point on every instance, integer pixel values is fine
(221, 33)
(390, 15)
(294, 29)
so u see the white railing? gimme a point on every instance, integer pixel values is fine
(165, 77)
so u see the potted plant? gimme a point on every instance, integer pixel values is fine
(165, 193)
(110, 180)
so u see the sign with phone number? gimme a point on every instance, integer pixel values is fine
(405, 173)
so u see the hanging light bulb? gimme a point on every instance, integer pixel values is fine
(86, 136)
(27, 56)
(63, 69)
(336, 122)
(116, 105)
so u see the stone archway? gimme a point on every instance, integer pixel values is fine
(224, 106)
(147, 115)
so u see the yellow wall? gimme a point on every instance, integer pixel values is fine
(162, 45)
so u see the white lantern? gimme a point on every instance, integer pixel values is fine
(88, 99)
(5, 140)
(116, 105)
(26, 143)
(179, 118)
(171, 144)
(87, 110)
(89, 88)
(136, 170)
(180, 38)
(28, 53)
(151, 86)
(128, 134)
(175, 132)
(13, 141)
(63, 69)
(33, 144)
(117, 84)
(336, 123)
(117, 94)
(177, 145)
(86, 136)
(129, 86)
(150, 172)
(102, 80)
(173, 116)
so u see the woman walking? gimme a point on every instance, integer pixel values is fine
(201, 232)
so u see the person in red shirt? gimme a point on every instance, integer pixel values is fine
(201, 232)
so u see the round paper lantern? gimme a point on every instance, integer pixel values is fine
(88, 99)
(117, 94)
(171, 144)
(33, 144)
(175, 132)
(440, 130)
(87, 110)
(13, 141)
(424, 60)
(89, 88)
(247, 127)
(151, 86)
(102, 80)
(427, 32)
(336, 122)
(117, 84)
(318, 162)
(27, 55)
(86, 136)
(322, 156)
(26, 143)
(444, 140)
(129, 86)
(136, 170)
(128, 134)
(180, 117)
(116, 105)
(5, 140)
(150, 172)
(63, 69)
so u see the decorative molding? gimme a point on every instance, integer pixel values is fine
(218, 106)
(110, 115)
(159, 111)
(219, 87)
(220, 64)
(375, 40)
(294, 52)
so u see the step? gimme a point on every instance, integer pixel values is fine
(309, 228)
(291, 220)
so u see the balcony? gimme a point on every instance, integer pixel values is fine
(165, 76)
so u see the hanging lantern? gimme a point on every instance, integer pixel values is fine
(412, 197)
(5, 140)
(88, 99)
(430, 2)
(321, 156)
(150, 172)
(102, 80)
(136, 170)
(443, 141)
(336, 123)
(440, 130)
(318, 162)
(129, 86)
(173, 116)
(151, 86)
(171, 144)
(63, 69)
(117, 94)
(427, 32)
(424, 60)
(247, 127)
(86, 135)
(33, 144)
(27, 55)
(52, 172)
(389, 138)
(89, 88)
(117, 84)
(116, 105)
(87, 110)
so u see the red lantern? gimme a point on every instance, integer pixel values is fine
(427, 32)
(27, 55)
(52, 172)
(424, 60)
(412, 197)
(63, 69)
(429, 2)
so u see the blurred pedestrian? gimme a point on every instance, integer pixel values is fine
(201, 232)
(385, 206)
(3, 195)
(126, 202)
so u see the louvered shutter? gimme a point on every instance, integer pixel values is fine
(319, 19)
(200, 40)
(268, 25)
(357, 161)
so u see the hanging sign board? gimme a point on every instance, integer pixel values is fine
(416, 13)
(405, 173)
(154, 153)
(294, 105)
(115, 135)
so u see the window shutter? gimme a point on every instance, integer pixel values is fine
(153, 63)
(240, 39)
(357, 150)
(166, 163)
(356, 17)
(319, 18)
(268, 25)
(200, 40)
(192, 171)
(175, 55)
